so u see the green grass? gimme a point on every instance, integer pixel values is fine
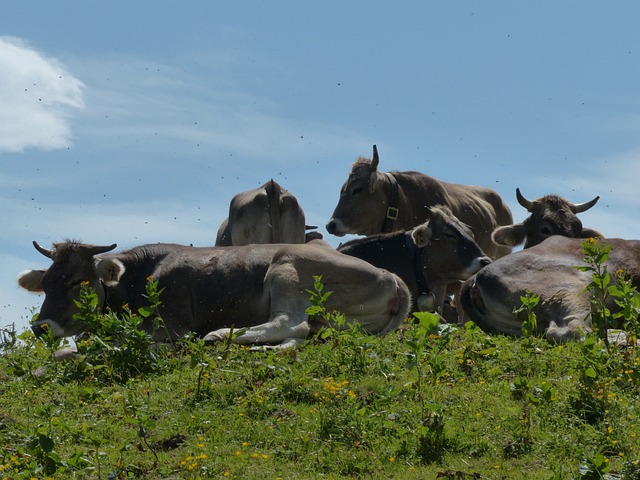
(462, 404)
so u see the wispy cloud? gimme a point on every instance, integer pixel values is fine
(37, 95)
(132, 101)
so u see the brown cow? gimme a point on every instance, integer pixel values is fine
(208, 291)
(549, 271)
(550, 215)
(374, 202)
(267, 214)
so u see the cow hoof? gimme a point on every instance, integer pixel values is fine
(213, 337)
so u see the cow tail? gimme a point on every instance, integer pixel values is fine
(399, 306)
(273, 199)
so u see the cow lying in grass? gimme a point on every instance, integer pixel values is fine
(209, 291)
(548, 270)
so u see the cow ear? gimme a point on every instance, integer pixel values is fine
(509, 235)
(31, 280)
(109, 270)
(590, 233)
(421, 235)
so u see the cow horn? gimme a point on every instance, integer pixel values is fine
(376, 158)
(42, 250)
(583, 207)
(96, 250)
(528, 204)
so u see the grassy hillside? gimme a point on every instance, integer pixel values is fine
(419, 403)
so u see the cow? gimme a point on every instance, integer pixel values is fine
(374, 202)
(267, 214)
(208, 291)
(549, 271)
(550, 215)
(434, 254)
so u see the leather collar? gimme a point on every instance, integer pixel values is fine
(392, 209)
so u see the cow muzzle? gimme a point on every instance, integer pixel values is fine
(42, 327)
(334, 227)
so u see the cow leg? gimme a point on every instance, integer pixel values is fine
(282, 328)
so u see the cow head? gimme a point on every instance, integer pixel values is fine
(452, 254)
(362, 205)
(73, 264)
(550, 215)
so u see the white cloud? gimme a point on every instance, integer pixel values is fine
(36, 94)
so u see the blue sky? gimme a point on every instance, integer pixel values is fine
(135, 122)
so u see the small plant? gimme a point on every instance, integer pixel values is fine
(594, 467)
(350, 339)
(626, 296)
(41, 446)
(116, 346)
(151, 312)
(199, 360)
(591, 402)
(530, 322)
(427, 343)
(8, 339)
(595, 256)
(322, 321)
(530, 394)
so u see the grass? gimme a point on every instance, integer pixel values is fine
(352, 406)
(422, 402)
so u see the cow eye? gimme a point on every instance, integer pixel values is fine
(357, 191)
(449, 234)
(546, 231)
(75, 283)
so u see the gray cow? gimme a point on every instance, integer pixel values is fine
(267, 214)
(549, 271)
(209, 291)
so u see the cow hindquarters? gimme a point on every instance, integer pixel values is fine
(399, 307)
(379, 305)
(287, 325)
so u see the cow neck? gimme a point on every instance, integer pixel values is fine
(392, 209)
(416, 254)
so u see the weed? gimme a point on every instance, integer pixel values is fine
(530, 322)
(427, 344)
(116, 347)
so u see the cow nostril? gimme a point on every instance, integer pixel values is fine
(39, 330)
(331, 226)
(485, 261)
